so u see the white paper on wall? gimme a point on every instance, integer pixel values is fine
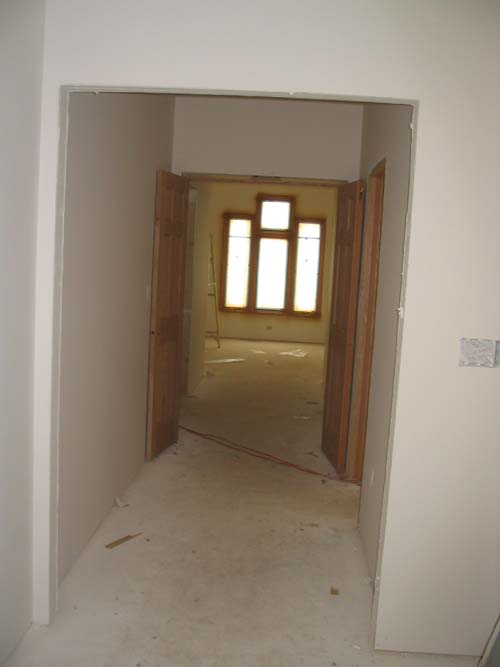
(479, 352)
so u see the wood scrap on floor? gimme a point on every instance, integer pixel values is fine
(121, 540)
(294, 353)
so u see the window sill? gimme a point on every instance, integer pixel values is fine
(281, 313)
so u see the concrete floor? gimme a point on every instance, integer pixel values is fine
(237, 557)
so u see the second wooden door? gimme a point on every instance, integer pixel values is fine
(340, 350)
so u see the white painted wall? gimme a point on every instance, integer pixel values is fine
(440, 582)
(21, 27)
(273, 137)
(114, 148)
(386, 134)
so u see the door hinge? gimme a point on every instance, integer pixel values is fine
(401, 312)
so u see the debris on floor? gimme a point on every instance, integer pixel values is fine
(302, 417)
(174, 449)
(117, 502)
(334, 591)
(294, 353)
(312, 402)
(121, 540)
(258, 351)
(313, 453)
(224, 361)
(269, 362)
(251, 451)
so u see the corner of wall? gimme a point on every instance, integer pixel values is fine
(364, 130)
(174, 150)
(167, 141)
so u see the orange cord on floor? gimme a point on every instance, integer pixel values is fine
(257, 453)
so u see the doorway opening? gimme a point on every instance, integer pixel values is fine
(274, 400)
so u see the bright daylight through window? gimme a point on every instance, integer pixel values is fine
(272, 260)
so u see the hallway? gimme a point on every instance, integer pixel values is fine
(271, 401)
(238, 557)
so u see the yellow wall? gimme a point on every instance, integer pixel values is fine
(310, 201)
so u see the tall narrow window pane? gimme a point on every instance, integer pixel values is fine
(238, 261)
(271, 276)
(307, 272)
(275, 215)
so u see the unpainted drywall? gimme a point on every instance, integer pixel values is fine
(267, 137)
(116, 143)
(439, 591)
(386, 134)
(21, 55)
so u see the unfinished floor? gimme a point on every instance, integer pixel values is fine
(237, 557)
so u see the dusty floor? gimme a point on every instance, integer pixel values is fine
(237, 557)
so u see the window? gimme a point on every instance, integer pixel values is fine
(272, 261)
(238, 262)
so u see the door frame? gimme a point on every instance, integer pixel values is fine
(48, 317)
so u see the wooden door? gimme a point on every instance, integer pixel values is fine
(167, 309)
(340, 351)
(365, 327)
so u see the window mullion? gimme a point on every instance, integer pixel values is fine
(254, 262)
(291, 265)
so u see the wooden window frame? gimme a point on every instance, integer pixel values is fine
(227, 217)
(257, 233)
(319, 288)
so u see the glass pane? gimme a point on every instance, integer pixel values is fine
(309, 230)
(239, 227)
(275, 215)
(271, 277)
(307, 272)
(238, 261)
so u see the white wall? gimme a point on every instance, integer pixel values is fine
(21, 27)
(273, 137)
(114, 148)
(386, 134)
(440, 582)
